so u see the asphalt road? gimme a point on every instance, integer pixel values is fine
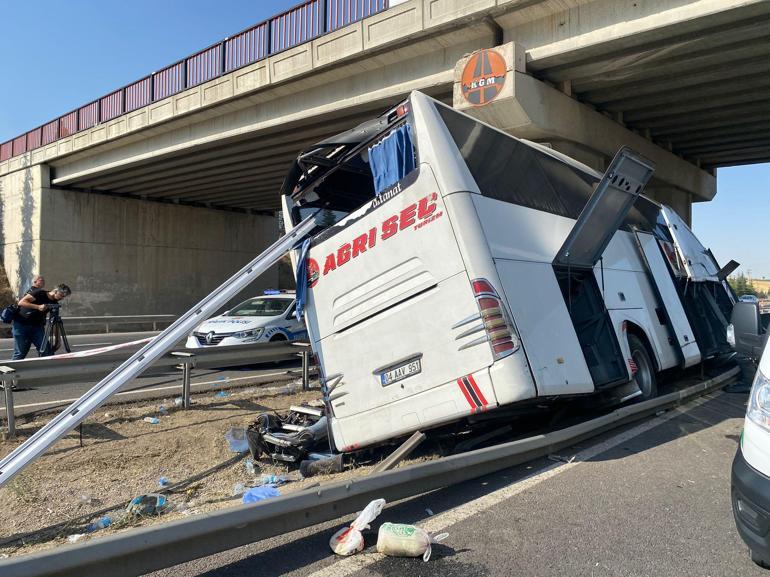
(28, 401)
(651, 500)
(79, 342)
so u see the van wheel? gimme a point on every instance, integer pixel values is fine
(645, 370)
(278, 338)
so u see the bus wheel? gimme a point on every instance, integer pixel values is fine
(645, 370)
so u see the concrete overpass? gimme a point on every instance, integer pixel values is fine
(146, 211)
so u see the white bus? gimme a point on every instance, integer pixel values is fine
(460, 271)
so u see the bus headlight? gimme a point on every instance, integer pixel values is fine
(759, 401)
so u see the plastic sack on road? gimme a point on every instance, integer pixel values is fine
(349, 540)
(260, 494)
(398, 540)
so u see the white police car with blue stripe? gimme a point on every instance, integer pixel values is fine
(262, 319)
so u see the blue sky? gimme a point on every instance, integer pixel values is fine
(61, 54)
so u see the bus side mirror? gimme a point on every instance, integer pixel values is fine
(747, 329)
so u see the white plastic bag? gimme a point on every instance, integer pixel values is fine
(398, 540)
(349, 540)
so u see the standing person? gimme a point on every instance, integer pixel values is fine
(37, 283)
(29, 324)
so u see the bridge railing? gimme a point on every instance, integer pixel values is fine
(296, 26)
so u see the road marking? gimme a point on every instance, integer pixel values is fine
(443, 521)
(74, 345)
(156, 389)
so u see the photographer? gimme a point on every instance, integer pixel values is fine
(29, 324)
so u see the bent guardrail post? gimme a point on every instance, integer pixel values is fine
(188, 363)
(8, 380)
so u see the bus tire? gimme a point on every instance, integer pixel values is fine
(645, 369)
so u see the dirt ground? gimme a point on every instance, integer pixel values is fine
(122, 456)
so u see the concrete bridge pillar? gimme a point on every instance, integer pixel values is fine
(494, 86)
(123, 255)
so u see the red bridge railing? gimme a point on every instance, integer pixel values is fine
(291, 28)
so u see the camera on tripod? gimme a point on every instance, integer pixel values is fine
(54, 335)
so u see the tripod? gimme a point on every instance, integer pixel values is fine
(54, 335)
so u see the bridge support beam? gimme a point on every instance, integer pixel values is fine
(529, 108)
(123, 255)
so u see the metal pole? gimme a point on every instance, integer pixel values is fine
(9, 383)
(305, 369)
(186, 385)
(188, 362)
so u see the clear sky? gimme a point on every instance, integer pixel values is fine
(61, 54)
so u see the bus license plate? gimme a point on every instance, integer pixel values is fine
(399, 373)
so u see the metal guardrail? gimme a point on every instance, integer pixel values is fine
(74, 324)
(297, 25)
(51, 371)
(152, 548)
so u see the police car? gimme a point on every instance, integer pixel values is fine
(261, 319)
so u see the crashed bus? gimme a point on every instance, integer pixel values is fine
(451, 274)
(458, 273)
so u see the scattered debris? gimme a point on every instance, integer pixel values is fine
(102, 523)
(147, 505)
(273, 480)
(401, 453)
(163, 482)
(327, 466)
(236, 438)
(287, 438)
(238, 489)
(260, 494)
(560, 459)
(222, 394)
(659, 413)
(163, 410)
(429, 512)
(151, 420)
(75, 538)
(178, 402)
(349, 540)
(398, 540)
(251, 468)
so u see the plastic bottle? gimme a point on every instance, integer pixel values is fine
(250, 468)
(272, 480)
(100, 524)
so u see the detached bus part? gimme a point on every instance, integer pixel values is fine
(457, 270)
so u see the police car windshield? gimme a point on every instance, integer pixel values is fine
(260, 307)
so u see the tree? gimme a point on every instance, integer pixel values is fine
(742, 285)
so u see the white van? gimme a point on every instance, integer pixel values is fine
(461, 273)
(750, 478)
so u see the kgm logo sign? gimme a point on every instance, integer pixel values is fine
(483, 77)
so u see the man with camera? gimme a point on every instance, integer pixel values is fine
(29, 324)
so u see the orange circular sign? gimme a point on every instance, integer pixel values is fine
(483, 77)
